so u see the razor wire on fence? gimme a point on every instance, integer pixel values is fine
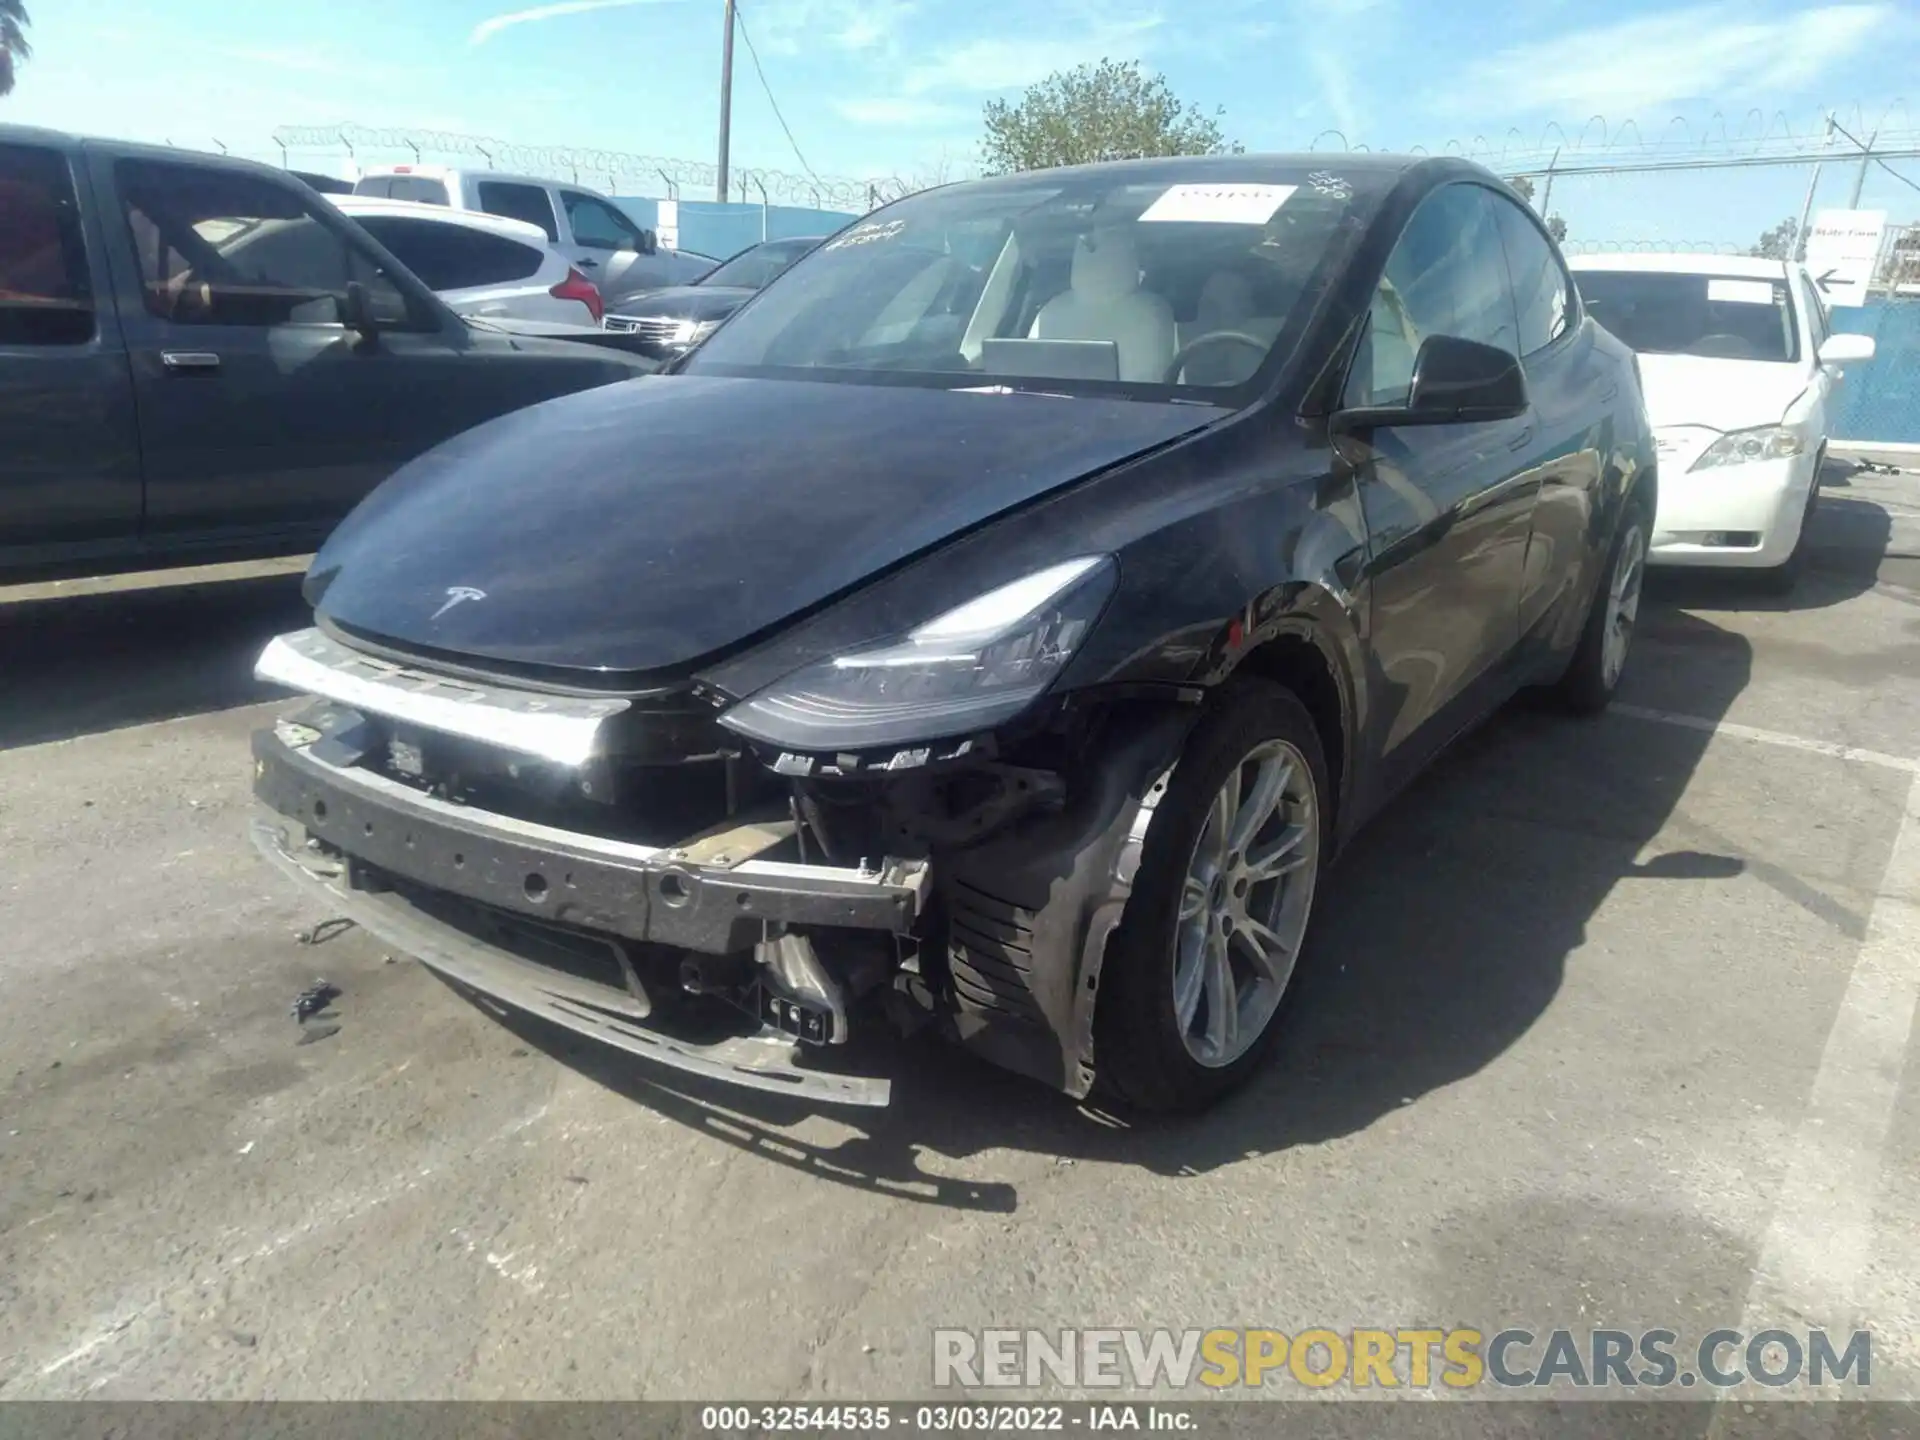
(611, 170)
(1755, 138)
(1631, 164)
(1649, 247)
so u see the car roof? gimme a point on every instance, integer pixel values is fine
(448, 172)
(36, 135)
(358, 205)
(1226, 169)
(431, 172)
(1681, 263)
(134, 149)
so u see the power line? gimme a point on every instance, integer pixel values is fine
(740, 14)
(1866, 149)
(1910, 184)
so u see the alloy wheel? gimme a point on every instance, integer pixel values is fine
(1244, 903)
(1623, 604)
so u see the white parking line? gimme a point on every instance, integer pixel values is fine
(1814, 1254)
(1768, 737)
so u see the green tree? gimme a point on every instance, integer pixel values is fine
(1778, 243)
(13, 41)
(1109, 111)
(1556, 227)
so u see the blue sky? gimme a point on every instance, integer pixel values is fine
(894, 87)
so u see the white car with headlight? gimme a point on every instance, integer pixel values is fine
(1740, 372)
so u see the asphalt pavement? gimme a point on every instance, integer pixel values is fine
(1605, 1023)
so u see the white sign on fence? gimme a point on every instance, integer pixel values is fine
(666, 224)
(1841, 249)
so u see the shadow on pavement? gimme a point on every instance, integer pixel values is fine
(1441, 939)
(74, 665)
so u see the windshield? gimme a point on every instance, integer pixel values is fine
(751, 269)
(1725, 317)
(1150, 280)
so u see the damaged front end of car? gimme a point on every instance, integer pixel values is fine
(910, 836)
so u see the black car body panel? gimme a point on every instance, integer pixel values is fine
(823, 487)
(718, 531)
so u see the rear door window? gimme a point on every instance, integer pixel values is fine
(519, 202)
(1542, 293)
(46, 297)
(453, 257)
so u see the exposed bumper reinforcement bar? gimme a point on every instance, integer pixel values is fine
(759, 1062)
(670, 897)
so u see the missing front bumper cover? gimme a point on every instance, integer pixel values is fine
(767, 1061)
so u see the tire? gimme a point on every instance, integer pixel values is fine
(1143, 1055)
(1593, 675)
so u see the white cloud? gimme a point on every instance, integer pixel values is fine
(981, 66)
(492, 26)
(792, 27)
(901, 110)
(1701, 52)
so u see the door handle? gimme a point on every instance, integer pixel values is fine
(189, 362)
(586, 262)
(1611, 391)
(1522, 440)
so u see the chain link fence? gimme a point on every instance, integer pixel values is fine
(357, 147)
(1633, 180)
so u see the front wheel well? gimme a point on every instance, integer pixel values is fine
(1296, 662)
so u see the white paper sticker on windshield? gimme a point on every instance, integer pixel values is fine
(1220, 204)
(1741, 292)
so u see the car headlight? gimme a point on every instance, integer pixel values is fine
(968, 670)
(1741, 447)
(692, 332)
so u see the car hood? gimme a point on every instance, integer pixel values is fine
(638, 528)
(1718, 395)
(686, 302)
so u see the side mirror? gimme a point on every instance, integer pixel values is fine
(1455, 382)
(1846, 349)
(649, 242)
(356, 311)
(367, 311)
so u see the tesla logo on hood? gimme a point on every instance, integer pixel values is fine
(455, 594)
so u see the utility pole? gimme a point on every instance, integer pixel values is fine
(1860, 175)
(1546, 193)
(726, 106)
(1799, 247)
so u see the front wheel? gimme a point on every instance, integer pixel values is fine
(1601, 657)
(1196, 975)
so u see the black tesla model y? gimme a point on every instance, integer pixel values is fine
(992, 631)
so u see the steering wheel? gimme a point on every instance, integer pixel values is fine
(1722, 346)
(1207, 341)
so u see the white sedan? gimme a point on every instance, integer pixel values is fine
(482, 265)
(1739, 369)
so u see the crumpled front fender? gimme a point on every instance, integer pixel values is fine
(1029, 913)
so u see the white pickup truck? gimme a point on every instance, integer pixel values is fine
(593, 232)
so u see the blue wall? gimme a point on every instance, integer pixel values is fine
(1881, 399)
(722, 230)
